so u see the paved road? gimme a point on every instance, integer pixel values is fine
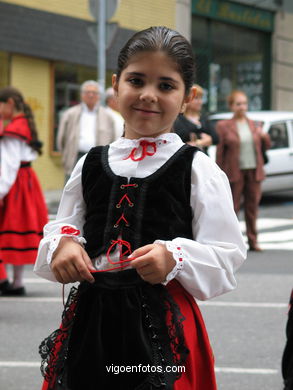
(246, 326)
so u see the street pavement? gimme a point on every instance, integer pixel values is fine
(246, 326)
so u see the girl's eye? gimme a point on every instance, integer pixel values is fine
(135, 81)
(166, 87)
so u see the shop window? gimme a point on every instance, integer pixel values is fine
(231, 57)
(279, 135)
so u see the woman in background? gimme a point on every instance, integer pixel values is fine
(239, 154)
(193, 126)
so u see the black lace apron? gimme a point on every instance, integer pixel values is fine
(119, 321)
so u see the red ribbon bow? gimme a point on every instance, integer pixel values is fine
(70, 230)
(144, 152)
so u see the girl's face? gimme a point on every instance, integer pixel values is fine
(151, 93)
(239, 105)
(7, 109)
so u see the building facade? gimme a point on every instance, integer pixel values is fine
(47, 49)
(244, 44)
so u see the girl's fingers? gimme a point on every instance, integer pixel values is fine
(83, 270)
(140, 262)
(142, 251)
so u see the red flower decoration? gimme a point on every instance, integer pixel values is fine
(70, 230)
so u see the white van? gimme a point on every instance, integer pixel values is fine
(279, 169)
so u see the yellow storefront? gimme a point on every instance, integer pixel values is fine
(49, 74)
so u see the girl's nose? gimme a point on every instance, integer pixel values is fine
(148, 95)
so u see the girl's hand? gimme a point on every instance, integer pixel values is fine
(153, 262)
(71, 263)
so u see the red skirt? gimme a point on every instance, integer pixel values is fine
(22, 219)
(198, 373)
(199, 366)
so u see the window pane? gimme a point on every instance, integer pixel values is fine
(279, 135)
(230, 57)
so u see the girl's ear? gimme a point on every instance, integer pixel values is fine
(115, 83)
(10, 101)
(188, 98)
(191, 95)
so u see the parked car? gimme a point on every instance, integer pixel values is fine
(279, 169)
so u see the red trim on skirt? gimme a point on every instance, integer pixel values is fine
(22, 219)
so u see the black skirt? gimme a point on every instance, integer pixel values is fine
(123, 334)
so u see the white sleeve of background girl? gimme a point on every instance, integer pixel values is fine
(10, 155)
(70, 214)
(205, 266)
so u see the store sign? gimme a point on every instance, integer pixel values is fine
(234, 13)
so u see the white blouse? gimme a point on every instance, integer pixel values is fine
(12, 152)
(205, 266)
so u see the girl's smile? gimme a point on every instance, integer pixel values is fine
(150, 93)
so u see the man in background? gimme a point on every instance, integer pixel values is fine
(84, 126)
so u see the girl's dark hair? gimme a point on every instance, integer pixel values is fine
(20, 105)
(164, 39)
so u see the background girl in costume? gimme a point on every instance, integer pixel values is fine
(155, 213)
(23, 212)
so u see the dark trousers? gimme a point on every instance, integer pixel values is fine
(248, 189)
(287, 359)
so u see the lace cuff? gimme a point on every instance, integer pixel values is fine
(55, 239)
(178, 256)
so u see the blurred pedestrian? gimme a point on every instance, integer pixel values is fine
(23, 212)
(113, 109)
(239, 154)
(84, 126)
(287, 358)
(193, 126)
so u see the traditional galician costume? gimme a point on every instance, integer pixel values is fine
(119, 198)
(24, 212)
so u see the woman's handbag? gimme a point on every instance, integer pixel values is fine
(264, 152)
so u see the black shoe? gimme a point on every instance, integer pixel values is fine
(255, 248)
(4, 286)
(14, 292)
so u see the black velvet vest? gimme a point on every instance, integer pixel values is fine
(141, 210)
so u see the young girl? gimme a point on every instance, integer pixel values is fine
(158, 216)
(23, 212)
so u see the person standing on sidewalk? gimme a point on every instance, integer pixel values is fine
(239, 154)
(193, 126)
(23, 212)
(83, 126)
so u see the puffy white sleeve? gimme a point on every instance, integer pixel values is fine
(69, 223)
(205, 266)
(10, 158)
